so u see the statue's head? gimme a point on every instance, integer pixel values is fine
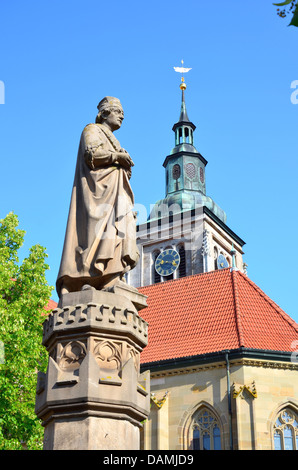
(110, 113)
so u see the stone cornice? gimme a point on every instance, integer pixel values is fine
(239, 357)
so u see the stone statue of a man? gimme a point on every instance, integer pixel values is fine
(100, 245)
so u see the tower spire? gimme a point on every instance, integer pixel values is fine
(183, 113)
(184, 169)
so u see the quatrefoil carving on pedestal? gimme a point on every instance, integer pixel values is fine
(108, 355)
(72, 355)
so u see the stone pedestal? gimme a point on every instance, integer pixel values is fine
(93, 396)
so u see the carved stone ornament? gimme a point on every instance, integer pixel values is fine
(108, 355)
(72, 355)
(159, 403)
(136, 358)
(206, 243)
(240, 389)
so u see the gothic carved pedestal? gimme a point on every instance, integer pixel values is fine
(93, 396)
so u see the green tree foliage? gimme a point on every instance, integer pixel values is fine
(292, 9)
(24, 293)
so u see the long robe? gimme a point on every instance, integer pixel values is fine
(100, 244)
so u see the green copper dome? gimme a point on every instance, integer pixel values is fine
(185, 201)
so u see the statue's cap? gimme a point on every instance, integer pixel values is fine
(107, 102)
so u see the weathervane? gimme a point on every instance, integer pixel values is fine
(182, 70)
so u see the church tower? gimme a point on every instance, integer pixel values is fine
(186, 232)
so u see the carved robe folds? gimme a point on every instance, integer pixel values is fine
(99, 244)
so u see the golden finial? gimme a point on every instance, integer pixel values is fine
(182, 70)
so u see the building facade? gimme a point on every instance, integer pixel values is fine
(186, 220)
(221, 353)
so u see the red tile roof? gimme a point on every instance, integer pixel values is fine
(51, 305)
(212, 312)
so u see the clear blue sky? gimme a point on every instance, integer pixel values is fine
(59, 58)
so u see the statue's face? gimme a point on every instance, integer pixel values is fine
(114, 118)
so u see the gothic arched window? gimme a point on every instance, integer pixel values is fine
(215, 257)
(186, 135)
(180, 135)
(182, 265)
(155, 276)
(286, 430)
(205, 429)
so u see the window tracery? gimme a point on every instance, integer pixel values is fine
(206, 433)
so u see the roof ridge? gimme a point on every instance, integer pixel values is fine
(271, 302)
(237, 308)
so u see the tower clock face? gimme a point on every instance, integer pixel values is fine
(167, 262)
(222, 262)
